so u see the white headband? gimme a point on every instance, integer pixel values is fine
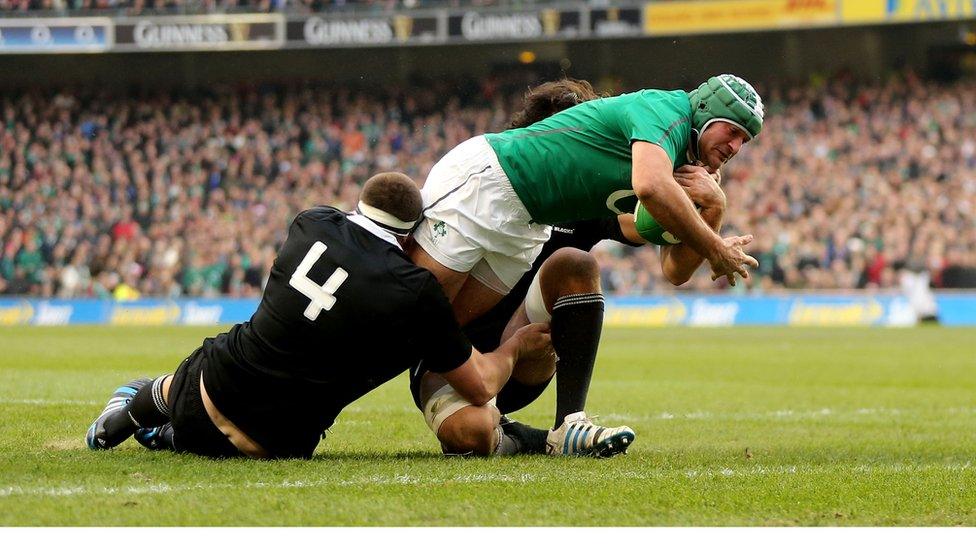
(733, 122)
(385, 219)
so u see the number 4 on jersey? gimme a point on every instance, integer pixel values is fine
(321, 296)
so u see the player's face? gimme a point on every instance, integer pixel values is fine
(719, 143)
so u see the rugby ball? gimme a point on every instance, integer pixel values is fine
(652, 231)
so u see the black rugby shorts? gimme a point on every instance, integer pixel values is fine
(193, 430)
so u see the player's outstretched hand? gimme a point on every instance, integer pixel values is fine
(731, 259)
(535, 341)
(700, 186)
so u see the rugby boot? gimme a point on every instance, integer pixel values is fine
(578, 436)
(97, 438)
(156, 438)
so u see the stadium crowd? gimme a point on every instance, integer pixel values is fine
(170, 194)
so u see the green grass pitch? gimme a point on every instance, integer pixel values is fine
(744, 426)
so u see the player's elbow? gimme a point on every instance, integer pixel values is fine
(646, 190)
(674, 275)
(677, 280)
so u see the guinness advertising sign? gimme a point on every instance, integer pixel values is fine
(476, 26)
(207, 32)
(316, 31)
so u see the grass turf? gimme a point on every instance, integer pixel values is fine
(744, 426)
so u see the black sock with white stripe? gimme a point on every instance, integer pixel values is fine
(146, 409)
(577, 321)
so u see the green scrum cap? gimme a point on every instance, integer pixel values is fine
(730, 99)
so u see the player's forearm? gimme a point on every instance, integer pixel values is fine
(670, 206)
(495, 368)
(681, 261)
(504, 359)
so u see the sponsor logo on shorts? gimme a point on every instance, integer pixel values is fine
(440, 230)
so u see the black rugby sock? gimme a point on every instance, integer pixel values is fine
(146, 409)
(529, 440)
(507, 445)
(577, 321)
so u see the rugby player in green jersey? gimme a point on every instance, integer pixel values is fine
(490, 203)
(563, 289)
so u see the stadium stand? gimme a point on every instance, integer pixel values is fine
(180, 193)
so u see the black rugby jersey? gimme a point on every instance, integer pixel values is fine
(485, 332)
(343, 312)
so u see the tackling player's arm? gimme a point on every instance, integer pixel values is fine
(446, 351)
(482, 376)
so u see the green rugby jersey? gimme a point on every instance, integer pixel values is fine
(576, 164)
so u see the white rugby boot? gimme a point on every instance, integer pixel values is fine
(578, 436)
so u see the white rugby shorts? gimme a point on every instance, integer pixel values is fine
(473, 220)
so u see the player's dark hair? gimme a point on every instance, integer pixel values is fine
(394, 193)
(549, 98)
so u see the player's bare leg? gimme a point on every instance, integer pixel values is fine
(566, 292)
(451, 280)
(470, 430)
(469, 297)
(474, 300)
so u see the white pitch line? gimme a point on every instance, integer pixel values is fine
(49, 402)
(782, 414)
(525, 478)
(374, 480)
(660, 416)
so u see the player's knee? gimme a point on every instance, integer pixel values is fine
(470, 430)
(570, 271)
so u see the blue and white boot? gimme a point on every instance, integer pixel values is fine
(96, 436)
(578, 436)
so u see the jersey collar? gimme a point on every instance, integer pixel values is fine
(372, 227)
